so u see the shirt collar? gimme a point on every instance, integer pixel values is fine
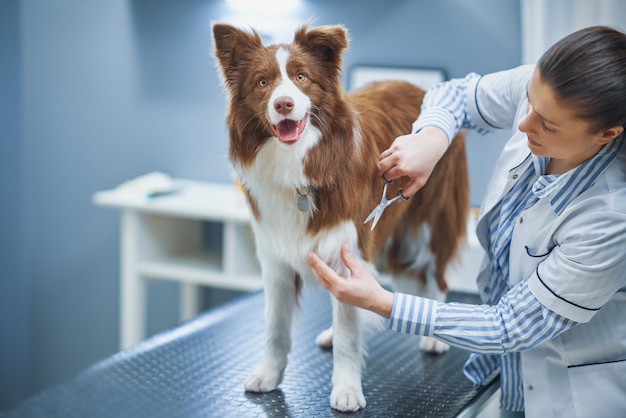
(563, 188)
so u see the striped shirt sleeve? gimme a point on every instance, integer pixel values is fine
(518, 322)
(445, 106)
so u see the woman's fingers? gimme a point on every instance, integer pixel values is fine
(414, 156)
(359, 288)
(413, 186)
(322, 271)
(387, 165)
(348, 259)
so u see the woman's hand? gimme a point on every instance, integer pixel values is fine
(414, 156)
(358, 289)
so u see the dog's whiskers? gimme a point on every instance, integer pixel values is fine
(316, 116)
(258, 118)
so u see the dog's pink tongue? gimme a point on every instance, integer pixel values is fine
(288, 130)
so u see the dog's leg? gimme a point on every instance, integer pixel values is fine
(348, 353)
(280, 297)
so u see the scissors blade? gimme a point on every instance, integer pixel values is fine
(371, 215)
(375, 214)
(376, 219)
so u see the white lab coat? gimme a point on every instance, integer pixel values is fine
(575, 264)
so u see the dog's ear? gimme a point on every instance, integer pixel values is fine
(325, 42)
(231, 45)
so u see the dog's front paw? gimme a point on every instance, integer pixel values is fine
(432, 345)
(263, 379)
(347, 399)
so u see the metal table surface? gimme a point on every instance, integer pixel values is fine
(197, 369)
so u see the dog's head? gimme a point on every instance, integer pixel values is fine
(283, 91)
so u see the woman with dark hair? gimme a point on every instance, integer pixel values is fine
(552, 224)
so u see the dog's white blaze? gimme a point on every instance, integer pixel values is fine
(286, 87)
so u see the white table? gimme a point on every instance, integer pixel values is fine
(164, 238)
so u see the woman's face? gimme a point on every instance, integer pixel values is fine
(554, 131)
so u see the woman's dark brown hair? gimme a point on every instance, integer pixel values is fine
(587, 70)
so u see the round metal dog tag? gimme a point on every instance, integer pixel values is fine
(303, 204)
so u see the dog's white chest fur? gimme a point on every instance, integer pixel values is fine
(273, 181)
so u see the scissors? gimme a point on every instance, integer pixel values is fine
(384, 202)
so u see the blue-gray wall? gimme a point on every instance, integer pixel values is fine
(93, 93)
(15, 346)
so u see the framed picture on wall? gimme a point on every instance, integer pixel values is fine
(425, 78)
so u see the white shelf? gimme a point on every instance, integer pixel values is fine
(200, 269)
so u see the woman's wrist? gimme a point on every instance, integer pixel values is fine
(383, 303)
(437, 138)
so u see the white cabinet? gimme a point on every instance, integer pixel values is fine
(165, 237)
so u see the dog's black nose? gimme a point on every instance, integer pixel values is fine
(283, 105)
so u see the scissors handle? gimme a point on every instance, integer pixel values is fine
(384, 203)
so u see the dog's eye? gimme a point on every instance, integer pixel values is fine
(262, 82)
(300, 77)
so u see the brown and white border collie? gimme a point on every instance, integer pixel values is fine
(306, 153)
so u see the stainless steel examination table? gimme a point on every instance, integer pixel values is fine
(197, 369)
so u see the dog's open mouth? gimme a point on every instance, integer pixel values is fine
(289, 130)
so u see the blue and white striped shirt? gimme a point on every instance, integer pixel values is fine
(512, 319)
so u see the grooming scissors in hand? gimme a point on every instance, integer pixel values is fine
(384, 202)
